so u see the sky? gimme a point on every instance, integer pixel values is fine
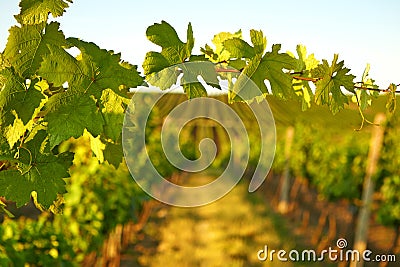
(360, 32)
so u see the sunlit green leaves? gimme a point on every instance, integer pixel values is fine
(19, 104)
(269, 67)
(305, 64)
(71, 116)
(163, 69)
(259, 67)
(174, 51)
(28, 44)
(332, 78)
(239, 48)
(37, 11)
(92, 71)
(113, 111)
(220, 54)
(38, 170)
(363, 96)
(391, 102)
(16, 98)
(107, 69)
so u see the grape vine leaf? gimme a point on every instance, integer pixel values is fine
(73, 113)
(331, 79)
(158, 66)
(18, 105)
(220, 54)
(269, 67)
(305, 63)
(239, 48)
(108, 69)
(191, 85)
(392, 100)
(38, 170)
(261, 67)
(364, 97)
(97, 146)
(113, 112)
(92, 71)
(27, 45)
(113, 153)
(37, 11)
(16, 98)
(173, 49)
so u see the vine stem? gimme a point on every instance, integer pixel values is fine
(314, 80)
(309, 79)
(227, 70)
(364, 120)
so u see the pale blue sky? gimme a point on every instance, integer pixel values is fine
(361, 31)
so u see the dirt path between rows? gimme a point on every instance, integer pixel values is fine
(228, 232)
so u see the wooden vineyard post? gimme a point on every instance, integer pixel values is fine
(361, 234)
(283, 205)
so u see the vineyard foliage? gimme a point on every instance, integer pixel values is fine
(90, 213)
(49, 96)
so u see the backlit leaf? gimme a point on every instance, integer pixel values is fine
(333, 78)
(37, 11)
(28, 44)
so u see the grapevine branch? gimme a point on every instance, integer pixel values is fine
(314, 80)
(357, 85)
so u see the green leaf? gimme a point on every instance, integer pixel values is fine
(332, 78)
(305, 63)
(154, 62)
(365, 96)
(70, 115)
(269, 67)
(113, 112)
(18, 105)
(108, 69)
(191, 85)
(97, 146)
(13, 186)
(39, 170)
(157, 65)
(173, 49)
(239, 48)
(259, 41)
(37, 11)
(164, 35)
(164, 78)
(28, 44)
(6, 154)
(391, 101)
(93, 71)
(194, 90)
(220, 54)
(4, 210)
(16, 98)
(113, 153)
(190, 39)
